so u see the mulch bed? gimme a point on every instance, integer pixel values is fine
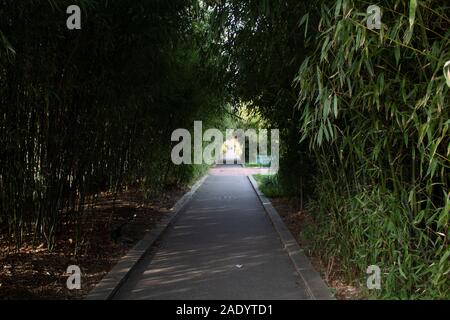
(296, 220)
(37, 273)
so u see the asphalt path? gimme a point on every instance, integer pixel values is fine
(222, 246)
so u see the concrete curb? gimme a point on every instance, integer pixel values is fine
(315, 286)
(108, 286)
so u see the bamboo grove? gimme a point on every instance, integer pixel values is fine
(92, 110)
(376, 113)
(365, 116)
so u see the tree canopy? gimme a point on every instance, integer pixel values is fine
(363, 115)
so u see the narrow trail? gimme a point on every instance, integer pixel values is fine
(222, 246)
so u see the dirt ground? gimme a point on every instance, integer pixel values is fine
(296, 220)
(37, 273)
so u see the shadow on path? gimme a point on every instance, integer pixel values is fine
(222, 246)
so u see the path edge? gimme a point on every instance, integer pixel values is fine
(115, 278)
(315, 286)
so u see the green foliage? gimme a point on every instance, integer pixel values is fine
(265, 47)
(93, 109)
(375, 113)
(270, 185)
(364, 120)
(363, 115)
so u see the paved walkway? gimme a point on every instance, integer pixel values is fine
(222, 246)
